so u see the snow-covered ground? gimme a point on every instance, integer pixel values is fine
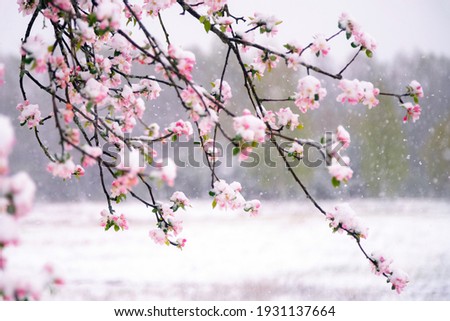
(286, 253)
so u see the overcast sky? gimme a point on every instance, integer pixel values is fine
(397, 25)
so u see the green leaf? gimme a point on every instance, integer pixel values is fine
(89, 106)
(335, 182)
(207, 26)
(316, 97)
(214, 203)
(174, 138)
(197, 143)
(416, 99)
(236, 151)
(202, 19)
(369, 53)
(211, 193)
(300, 126)
(116, 228)
(354, 45)
(348, 35)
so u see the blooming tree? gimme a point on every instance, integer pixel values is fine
(97, 99)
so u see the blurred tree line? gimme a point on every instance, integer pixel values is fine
(389, 158)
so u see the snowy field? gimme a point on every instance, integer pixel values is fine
(287, 253)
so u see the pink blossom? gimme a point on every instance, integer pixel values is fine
(136, 10)
(29, 114)
(121, 221)
(249, 127)
(27, 7)
(347, 23)
(153, 7)
(355, 91)
(72, 135)
(95, 90)
(109, 220)
(369, 94)
(63, 170)
(180, 128)
(148, 88)
(215, 5)
(293, 61)
(343, 218)
(412, 112)
(158, 236)
(380, 264)
(176, 225)
(227, 195)
(340, 172)
(296, 149)
(399, 280)
(252, 207)
(320, 45)
(309, 93)
(109, 13)
(86, 33)
(343, 136)
(181, 243)
(225, 91)
(184, 60)
(415, 89)
(287, 118)
(207, 122)
(37, 49)
(179, 199)
(365, 40)
(123, 184)
(267, 24)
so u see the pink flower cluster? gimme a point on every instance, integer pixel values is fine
(355, 91)
(109, 220)
(381, 265)
(340, 169)
(37, 49)
(249, 127)
(412, 112)
(222, 94)
(415, 89)
(62, 169)
(361, 38)
(287, 118)
(153, 7)
(343, 219)
(309, 93)
(228, 196)
(184, 60)
(320, 45)
(180, 128)
(266, 23)
(29, 114)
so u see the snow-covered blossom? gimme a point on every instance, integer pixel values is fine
(207, 122)
(165, 172)
(215, 5)
(109, 14)
(2, 74)
(415, 89)
(342, 173)
(63, 170)
(95, 91)
(153, 131)
(227, 195)
(224, 92)
(158, 236)
(179, 199)
(361, 38)
(148, 88)
(309, 93)
(365, 40)
(252, 207)
(382, 265)
(296, 149)
(320, 45)
(180, 128)
(399, 279)
(343, 218)
(267, 24)
(287, 118)
(412, 112)
(136, 9)
(153, 7)
(343, 136)
(355, 91)
(109, 220)
(92, 152)
(184, 60)
(27, 7)
(249, 127)
(36, 48)
(293, 61)
(347, 23)
(29, 114)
